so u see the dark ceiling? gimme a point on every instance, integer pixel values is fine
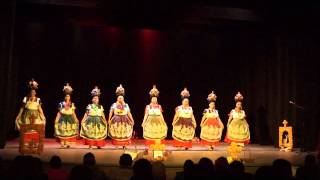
(168, 13)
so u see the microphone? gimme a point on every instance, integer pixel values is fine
(298, 106)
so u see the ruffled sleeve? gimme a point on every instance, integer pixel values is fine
(205, 111)
(73, 106)
(177, 108)
(112, 107)
(39, 101)
(147, 108)
(217, 112)
(24, 101)
(160, 107)
(88, 108)
(128, 108)
(60, 106)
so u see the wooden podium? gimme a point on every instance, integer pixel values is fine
(31, 138)
(285, 137)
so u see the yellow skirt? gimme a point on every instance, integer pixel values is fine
(155, 128)
(238, 132)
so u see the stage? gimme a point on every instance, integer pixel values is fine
(254, 155)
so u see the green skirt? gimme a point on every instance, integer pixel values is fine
(66, 127)
(94, 128)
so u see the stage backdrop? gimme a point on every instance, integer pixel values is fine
(267, 64)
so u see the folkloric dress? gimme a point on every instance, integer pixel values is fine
(120, 125)
(94, 127)
(238, 129)
(67, 126)
(155, 128)
(211, 127)
(30, 115)
(183, 127)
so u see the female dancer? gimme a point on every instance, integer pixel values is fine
(66, 123)
(31, 113)
(238, 128)
(94, 125)
(211, 125)
(120, 120)
(154, 125)
(184, 123)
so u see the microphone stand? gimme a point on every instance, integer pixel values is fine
(296, 105)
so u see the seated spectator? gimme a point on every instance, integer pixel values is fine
(81, 172)
(26, 167)
(56, 172)
(221, 168)
(207, 168)
(89, 160)
(282, 169)
(264, 173)
(2, 175)
(125, 161)
(310, 169)
(237, 171)
(124, 172)
(158, 171)
(187, 169)
(142, 170)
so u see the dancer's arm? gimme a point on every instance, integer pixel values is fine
(230, 118)
(146, 112)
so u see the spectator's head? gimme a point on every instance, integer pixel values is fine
(55, 162)
(206, 163)
(158, 171)
(36, 163)
(81, 172)
(142, 169)
(125, 160)
(188, 165)
(207, 167)
(236, 167)
(282, 169)
(310, 160)
(196, 172)
(26, 167)
(89, 160)
(221, 164)
(264, 173)
(1, 165)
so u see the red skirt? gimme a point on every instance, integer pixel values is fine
(148, 142)
(72, 140)
(227, 140)
(91, 142)
(186, 144)
(210, 143)
(121, 143)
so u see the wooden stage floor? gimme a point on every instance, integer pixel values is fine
(109, 155)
